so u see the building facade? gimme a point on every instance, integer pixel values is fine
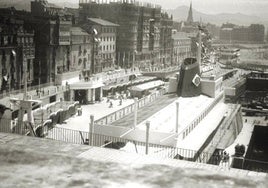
(138, 34)
(248, 34)
(181, 47)
(166, 24)
(17, 50)
(104, 38)
(81, 46)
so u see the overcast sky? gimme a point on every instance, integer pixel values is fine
(250, 7)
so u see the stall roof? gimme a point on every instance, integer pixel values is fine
(137, 80)
(149, 85)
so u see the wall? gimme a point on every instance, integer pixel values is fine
(172, 86)
(211, 87)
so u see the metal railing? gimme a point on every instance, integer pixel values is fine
(155, 150)
(32, 91)
(112, 117)
(18, 91)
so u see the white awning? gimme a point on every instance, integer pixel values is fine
(85, 85)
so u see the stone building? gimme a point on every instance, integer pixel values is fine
(46, 39)
(256, 32)
(80, 59)
(166, 24)
(64, 50)
(17, 50)
(104, 34)
(248, 34)
(138, 34)
(181, 47)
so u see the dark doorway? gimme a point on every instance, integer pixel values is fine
(52, 99)
(97, 94)
(81, 96)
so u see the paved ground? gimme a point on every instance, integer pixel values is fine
(147, 111)
(99, 110)
(34, 162)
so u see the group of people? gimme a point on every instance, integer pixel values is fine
(111, 103)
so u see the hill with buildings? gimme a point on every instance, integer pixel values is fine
(181, 12)
(26, 4)
(18, 4)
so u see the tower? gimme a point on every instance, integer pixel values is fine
(190, 15)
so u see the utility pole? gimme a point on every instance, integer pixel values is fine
(147, 137)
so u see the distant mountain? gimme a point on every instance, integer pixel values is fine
(65, 4)
(26, 4)
(181, 13)
(18, 4)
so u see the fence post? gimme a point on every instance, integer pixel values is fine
(135, 111)
(91, 129)
(177, 117)
(147, 137)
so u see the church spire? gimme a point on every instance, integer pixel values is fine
(190, 15)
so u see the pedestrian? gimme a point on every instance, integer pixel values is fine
(120, 102)
(111, 104)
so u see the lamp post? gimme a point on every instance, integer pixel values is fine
(94, 33)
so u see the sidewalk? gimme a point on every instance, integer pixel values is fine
(99, 110)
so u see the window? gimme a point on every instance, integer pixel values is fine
(80, 50)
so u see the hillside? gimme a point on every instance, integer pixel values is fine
(180, 14)
(26, 4)
(18, 4)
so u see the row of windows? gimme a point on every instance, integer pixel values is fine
(107, 47)
(111, 38)
(107, 56)
(108, 30)
(8, 40)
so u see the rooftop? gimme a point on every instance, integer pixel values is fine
(102, 22)
(78, 31)
(48, 163)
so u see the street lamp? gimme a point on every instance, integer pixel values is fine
(94, 33)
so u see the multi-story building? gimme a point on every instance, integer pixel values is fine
(166, 24)
(104, 34)
(240, 34)
(138, 34)
(17, 50)
(226, 31)
(181, 47)
(80, 59)
(256, 32)
(249, 34)
(63, 49)
(46, 39)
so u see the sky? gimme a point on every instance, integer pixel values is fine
(249, 7)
